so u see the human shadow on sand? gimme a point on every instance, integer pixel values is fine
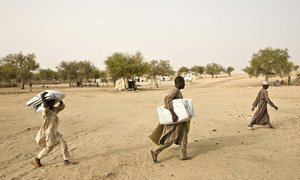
(201, 146)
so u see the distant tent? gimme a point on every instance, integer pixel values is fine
(297, 80)
(120, 84)
(189, 77)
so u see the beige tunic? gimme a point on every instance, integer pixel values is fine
(261, 116)
(164, 134)
(48, 134)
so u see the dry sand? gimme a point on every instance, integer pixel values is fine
(107, 133)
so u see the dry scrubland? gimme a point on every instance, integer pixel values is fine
(107, 133)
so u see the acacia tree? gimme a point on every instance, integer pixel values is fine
(23, 64)
(103, 75)
(229, 70)
(183, 70)
(85, 70)
(270, 62)
(117, 65)
(296, 67)
(74, 71)
(96, 74)
(198, 69)
(68, 70)
(47, 75)
(124, 65)
(35, 76)
(7, 72)
(214, 69)
(158, 68)
(138, 65)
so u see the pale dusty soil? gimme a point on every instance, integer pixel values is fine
(107, 133)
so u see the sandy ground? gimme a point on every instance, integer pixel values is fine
(107, 133)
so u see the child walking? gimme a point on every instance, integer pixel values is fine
(48, 136)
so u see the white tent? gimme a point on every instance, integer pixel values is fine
(120, 84)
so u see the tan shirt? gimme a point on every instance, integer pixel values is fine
(48, 133)
(174, 94)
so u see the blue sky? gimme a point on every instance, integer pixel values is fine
(190, 32)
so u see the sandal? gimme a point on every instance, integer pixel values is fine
(186, 158)
(36, 162)
(154, 157)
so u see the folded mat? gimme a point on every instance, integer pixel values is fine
(183, 109)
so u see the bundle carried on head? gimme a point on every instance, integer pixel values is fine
(37, 103)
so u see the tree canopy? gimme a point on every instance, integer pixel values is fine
(156, 68)
(96, 74)
(183, 70)
(68, 70)
(24, 65)
(125, 65)
(7, 72)
(296, 67)
(270, 62)
(229, 70)
(214, 69)
(76, 71)
(21, 68)
(47, 74)
(198, 69)
(85, 70)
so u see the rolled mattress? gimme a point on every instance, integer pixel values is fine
(37, 104)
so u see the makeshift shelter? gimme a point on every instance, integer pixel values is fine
(120, 85)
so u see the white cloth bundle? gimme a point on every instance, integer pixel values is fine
(37, 103)
(183, 109)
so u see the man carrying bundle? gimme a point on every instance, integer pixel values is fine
(166, 135)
